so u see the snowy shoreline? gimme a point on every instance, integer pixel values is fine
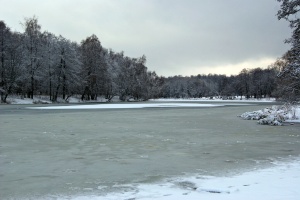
(215, 100)
(72, 100)
(278, 182)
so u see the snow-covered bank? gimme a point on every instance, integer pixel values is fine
(277, 183)
(205, 99)
(45, 100)
(274, 115)
(17, 100)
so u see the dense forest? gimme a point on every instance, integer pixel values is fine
(41, 63)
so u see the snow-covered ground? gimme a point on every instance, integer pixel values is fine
(17, 100)
(205, 99)
(45, 100)
(134, 105)
(130, 105)
(277, 183)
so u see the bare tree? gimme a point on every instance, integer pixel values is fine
(34, 55)
(92, 71)
(290, 73)
(4, 44)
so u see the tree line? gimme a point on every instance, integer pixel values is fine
(250, 83)
(41, 63)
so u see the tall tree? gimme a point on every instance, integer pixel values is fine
(33, 50)
(66, 70)
(125, 78)
(51, 55)
(140, 89)
(256, 85)
(244, 83)
(93, 66)
(11, 61)
(4, 44)
(114, 62)
(290, 74)
(15, 64)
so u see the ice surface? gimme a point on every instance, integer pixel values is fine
(135, 153)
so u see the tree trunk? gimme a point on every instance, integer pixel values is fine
(32, 87)
(56, 94)
(64, 79)
(50, 84)
(64, 87)
(2, 62)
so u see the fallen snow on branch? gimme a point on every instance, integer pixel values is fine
(274, 115)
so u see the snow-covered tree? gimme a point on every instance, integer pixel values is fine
(94, 67)
(140, 89)
(155, 85)
(290, 73)
(36, 63)
(33, 49)
(66, 71)
(4, 44)
(51, 56)
(11, 57)
(125, 78)
(114, 62)
(244, 83)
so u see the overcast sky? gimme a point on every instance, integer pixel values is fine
(178, 37)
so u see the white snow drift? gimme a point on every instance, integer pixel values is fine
(129, 105)
(274, 115)
(277, 183)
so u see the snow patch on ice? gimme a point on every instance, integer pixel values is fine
(276, 183)
(128, 105)
(274, 115)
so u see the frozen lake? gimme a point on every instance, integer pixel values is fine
(69, 152)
